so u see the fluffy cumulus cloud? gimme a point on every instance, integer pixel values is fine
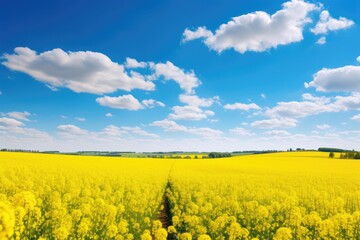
(258, 31)
(241, 132)
(194, 100)
(171, 126)
(128, 102)
(346, 79)
(23, 116)
(90, 72)
(275, 123)
(186, 80)
(327, 23)
(189, 113)
(242, 106)
(133, 63)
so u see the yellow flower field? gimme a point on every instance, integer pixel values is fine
(299, 195)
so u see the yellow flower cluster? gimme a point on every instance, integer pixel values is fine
(73, 197)
(301, 195)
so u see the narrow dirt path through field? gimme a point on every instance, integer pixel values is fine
(165, 214)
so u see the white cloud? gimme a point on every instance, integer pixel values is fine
(241, 132)
(128, 102)
(16, 130)
(189, 113)
(242, 106)
(200, 32)
(323, 126)
(133, 63)
(358, 59)
(64, 117)
(345, 103)
(309, 97)
(186, 80)
(80, 119)
(71, 131)
(277, 133)
(172, 126)
(23, 116)
(321, 41)
(275, 123)
(263, 96)
(258, 31)
(327, 23)
(151, 103)
(113, 131)
(139, 131)
(295, 109)
(122, 102)
(87, 71)
(356, 117)
(108, 115)
(314, 105)
(194, 100)
(345, 79)
(10, 122)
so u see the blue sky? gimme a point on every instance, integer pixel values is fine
(179, 75)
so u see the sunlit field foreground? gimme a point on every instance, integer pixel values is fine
(301, 195)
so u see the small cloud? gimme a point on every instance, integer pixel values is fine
(277, 133)
(128, 102)
(19, 115)
(242, 106)
(108, 115)
(263, 95)
(323, 126)
(189, 113)
(327, 24)
(241, 132)
(64, 117)
(80, 119)
(356, 117)
(275, 123)
(151, 103)
(358, 59)
(321, 41)
(133, 63)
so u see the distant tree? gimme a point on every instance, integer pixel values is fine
(196, 157)
(218, 155)
(331, 155)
